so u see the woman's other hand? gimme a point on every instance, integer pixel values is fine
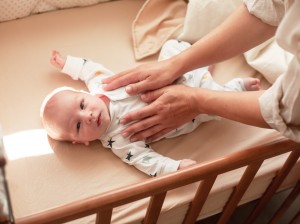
(169, 108)
(145, 77)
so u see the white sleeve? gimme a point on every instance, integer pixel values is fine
(83, 69)
(280, 104)
(269, 11)
(140, 155)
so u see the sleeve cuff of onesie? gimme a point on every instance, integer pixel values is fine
(73, 67)
(171, 166)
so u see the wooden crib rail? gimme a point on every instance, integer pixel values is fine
(156, 188)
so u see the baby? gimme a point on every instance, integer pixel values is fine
(81, 117)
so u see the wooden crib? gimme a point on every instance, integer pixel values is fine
(156, 189)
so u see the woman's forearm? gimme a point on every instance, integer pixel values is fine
(238, 106)
(229, 39)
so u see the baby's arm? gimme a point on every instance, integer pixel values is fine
(80, 68)
(140, 155)
(57, 60)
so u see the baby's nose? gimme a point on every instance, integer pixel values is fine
(88, 117)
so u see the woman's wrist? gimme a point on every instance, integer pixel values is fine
(177, 66)
(238, 106)
(199, 97)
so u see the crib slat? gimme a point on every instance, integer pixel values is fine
(154, 208)
(278, 179)
(199, 199)
(239, 191)
(296, 218)
(286, 204)
(104, 216)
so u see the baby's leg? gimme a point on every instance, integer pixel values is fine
(243, 84)
(202, 78)
(171, 48)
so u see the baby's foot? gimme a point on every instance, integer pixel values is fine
(171, 48)
(243, 84)
(211, 69)
(251, 84)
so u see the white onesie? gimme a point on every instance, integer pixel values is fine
(139, 154)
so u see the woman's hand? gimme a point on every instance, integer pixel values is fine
(169, 108)
(145, 77)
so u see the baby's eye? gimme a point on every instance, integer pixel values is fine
(82, 105)
(78, 126)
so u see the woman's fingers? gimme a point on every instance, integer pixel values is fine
(135, 82)
(151, 96)
(146, 129)
(140, 114)
(139, 87)
(143, 78)
(155, 133)
(119, 80)
(149, 110)
(141, 130)
(170, 109)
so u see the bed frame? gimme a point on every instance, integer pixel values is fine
(156, 188)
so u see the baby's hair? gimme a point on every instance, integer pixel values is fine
(51, 94)
(52, 133)
(48, 127)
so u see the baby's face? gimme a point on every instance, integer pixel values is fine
(77, 116)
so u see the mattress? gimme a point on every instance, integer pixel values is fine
(43, 173)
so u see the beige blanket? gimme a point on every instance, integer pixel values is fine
(43, 174)
(156, 22)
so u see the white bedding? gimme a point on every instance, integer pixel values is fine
(16, 9)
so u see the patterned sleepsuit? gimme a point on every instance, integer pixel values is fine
(139, 154)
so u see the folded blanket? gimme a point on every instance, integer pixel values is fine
(269, 59)
(156, 22)
(203, 16)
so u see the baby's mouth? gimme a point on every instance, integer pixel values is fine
(99, 120)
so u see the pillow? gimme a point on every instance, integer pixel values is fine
(269, 59)
(156, 22)
(15, 9)
(202, 16)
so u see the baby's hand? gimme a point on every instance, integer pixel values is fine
(185, 163)
(57, 60)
